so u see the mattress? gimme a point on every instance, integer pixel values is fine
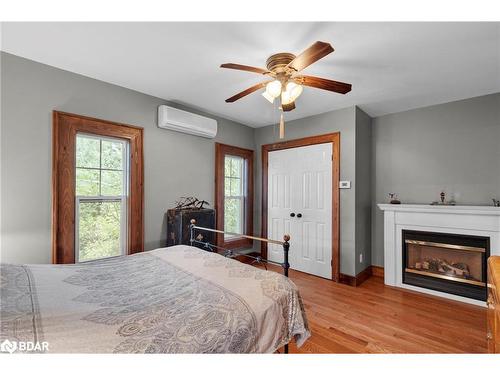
(178, 299)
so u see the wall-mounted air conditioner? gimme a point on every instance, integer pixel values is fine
(186, 122)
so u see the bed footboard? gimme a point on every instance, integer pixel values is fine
(229, 253)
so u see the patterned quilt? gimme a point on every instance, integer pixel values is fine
(178, 299)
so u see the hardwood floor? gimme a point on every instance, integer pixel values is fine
(374, 318)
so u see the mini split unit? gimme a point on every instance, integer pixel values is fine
(186, 122)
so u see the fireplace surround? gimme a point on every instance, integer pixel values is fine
(475, 222)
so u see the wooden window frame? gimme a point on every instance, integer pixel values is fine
(65, 127)
(221, 150)
(334, 139)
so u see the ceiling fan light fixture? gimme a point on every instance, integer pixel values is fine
(293, 90)
(273, 88)
(270, 98)
(288, 107)
(286, 97)
(287, 81)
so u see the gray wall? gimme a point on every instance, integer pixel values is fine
(30, 91)
(342, 120)
(453, 146)
(363, 189)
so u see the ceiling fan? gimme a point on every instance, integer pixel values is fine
(285, 83)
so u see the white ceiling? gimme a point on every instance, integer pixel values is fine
(392, 66)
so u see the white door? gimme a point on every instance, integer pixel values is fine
(300, 204)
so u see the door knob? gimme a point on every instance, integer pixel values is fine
(299, 215)
(292, 214)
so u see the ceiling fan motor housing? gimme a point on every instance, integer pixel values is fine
(277, 63)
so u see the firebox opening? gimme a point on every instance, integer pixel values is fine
(446, 262)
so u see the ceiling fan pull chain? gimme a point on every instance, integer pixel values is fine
(282, 127)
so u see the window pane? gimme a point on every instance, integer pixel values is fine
(99, 230)
(227, 166)
(111, 183)
(236, 187)
(87, 152)
(112, 155)
(236, 166)
(227, 186)
(232, 215)
(87, 182)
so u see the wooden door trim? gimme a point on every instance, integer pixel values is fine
(65, 126)
(334, 139)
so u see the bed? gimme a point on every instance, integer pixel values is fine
(178, 299)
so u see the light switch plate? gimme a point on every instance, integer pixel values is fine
(344, 184)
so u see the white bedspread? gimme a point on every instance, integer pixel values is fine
(171, 300)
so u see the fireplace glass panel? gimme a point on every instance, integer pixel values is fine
(451, 262)
(446, 262)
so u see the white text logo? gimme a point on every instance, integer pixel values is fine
(8, 346)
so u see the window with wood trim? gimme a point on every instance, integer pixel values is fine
(102, 175)
(234, 195)
(97, 195)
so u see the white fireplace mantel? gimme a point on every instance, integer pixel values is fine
(469, 220)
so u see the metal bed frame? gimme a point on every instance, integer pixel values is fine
(231, 254)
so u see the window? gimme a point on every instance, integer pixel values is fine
(234, 194)
(97, 188)
(101, 197)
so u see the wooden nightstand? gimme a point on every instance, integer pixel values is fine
(493, 332)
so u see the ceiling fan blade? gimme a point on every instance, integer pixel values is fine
(245, 68)
(324, 84)
(317, 51)
(247, 91)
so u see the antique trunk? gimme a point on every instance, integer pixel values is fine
(178, 221)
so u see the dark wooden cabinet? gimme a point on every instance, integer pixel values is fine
(178, 222)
